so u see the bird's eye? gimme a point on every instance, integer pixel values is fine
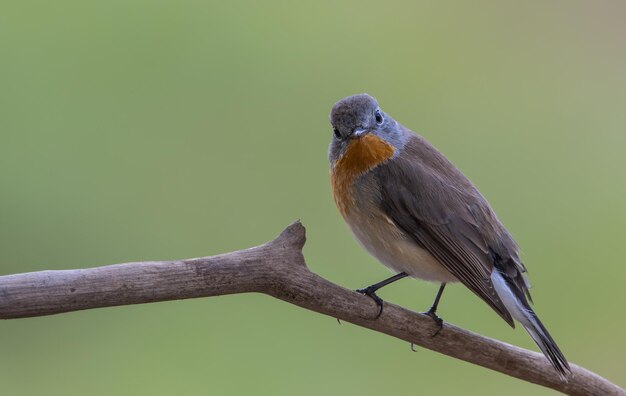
(336, 132)
(379, 117)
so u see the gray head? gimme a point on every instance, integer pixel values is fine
(356, 116)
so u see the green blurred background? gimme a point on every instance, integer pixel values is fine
(141, 130)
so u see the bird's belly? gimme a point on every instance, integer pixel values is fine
(392, 247)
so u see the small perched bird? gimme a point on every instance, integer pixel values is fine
(420, 216)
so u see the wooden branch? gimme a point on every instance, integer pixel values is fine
(276, 268)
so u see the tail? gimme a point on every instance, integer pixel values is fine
(516, 303)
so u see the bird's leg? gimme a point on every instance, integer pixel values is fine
(433, 309)
(371, 290)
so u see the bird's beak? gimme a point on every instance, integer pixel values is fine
(359, 132)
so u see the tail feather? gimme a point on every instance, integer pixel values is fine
(544, 341)
(517, 305)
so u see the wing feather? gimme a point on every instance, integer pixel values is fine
(443, 212)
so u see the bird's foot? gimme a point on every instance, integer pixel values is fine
(437, 319)
(371, 293)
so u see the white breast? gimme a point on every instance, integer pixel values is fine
(378, 234)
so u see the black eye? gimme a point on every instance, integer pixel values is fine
(379, 117)
(336, 132)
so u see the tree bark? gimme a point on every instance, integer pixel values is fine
(278, 269)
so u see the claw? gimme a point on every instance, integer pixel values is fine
(371, 292)
(437, 319)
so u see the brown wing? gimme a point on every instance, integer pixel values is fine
(428, 198)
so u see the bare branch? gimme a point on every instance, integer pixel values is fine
(276, 268)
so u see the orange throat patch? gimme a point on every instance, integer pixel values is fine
(361, 155)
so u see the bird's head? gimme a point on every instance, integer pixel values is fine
(357, 116)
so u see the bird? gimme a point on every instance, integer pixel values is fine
(417, 214)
